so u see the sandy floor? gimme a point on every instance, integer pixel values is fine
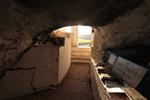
(75, 86)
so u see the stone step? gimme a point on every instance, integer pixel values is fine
(81, 59)
(81, 49)
(80, 54)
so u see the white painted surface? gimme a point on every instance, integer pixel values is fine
(64, 59)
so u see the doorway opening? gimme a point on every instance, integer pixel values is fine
(81, 40)
(84, 34)
(81, 37)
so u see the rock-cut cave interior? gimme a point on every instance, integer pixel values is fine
(74, 49)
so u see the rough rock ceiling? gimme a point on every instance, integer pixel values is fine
(96, 12)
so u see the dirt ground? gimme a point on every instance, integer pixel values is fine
(75, 86)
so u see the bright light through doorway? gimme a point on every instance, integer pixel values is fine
(84, 36)
(84, 30)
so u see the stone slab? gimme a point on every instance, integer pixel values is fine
(16, 83)
(130, 72)
(112, 59)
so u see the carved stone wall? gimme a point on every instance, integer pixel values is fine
(36, 70)
(129, 30)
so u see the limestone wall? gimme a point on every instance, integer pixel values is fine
(18, 28)
(41, 67)
(36, 70)
(97, 50)
(22, 21)
(128, 30)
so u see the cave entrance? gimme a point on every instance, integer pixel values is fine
(80, 38)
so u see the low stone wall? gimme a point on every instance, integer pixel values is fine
(107, 85)
(64, 58)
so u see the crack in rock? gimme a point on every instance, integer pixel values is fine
(26, 69)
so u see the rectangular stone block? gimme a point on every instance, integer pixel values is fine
(130, 72)
(112, 59)
(16, 83)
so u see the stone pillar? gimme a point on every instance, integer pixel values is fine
(74, 37)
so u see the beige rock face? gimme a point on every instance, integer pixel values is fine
(97, 50)
(128, 30)
(41, 67)
(17, 28)
(33, 17)
(36, 70)
(11, 46)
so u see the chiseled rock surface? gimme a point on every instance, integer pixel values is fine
(23, 20)
(128, 30)
(36, 70)
(18, 26)
(97, 50)
(11, 46)
(131, 29)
